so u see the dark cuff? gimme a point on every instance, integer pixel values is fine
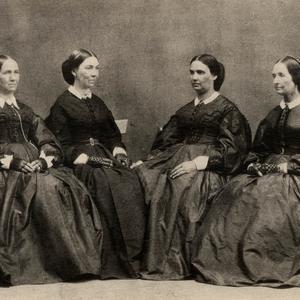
(44, 165)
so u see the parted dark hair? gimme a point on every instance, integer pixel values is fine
(293, 66)
(216, 68)
(3, 58)
(76, 58)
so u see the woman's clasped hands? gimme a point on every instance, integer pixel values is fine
(21, 165)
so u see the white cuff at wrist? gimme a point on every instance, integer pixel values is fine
(201, 162)
(119, 150)
(5, 161)
(48, 159)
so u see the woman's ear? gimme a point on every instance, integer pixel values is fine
(214, 77)
(73, 73)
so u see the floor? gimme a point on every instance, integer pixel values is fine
(143, 290)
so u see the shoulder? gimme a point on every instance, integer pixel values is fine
(100, 104)
(66, 102)
(24, 107)
(98, 100)
(186, 107)
(272, 115)
(65, 97)
(274, 111)
(226, 105)
(27, 112)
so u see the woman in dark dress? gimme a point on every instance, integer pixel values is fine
(93, 148)
(49, 228)
(251, 235)
(204, 142)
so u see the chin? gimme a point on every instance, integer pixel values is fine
(200, 91)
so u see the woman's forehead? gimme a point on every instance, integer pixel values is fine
(280, 67)
(198, 65)
(10, 64)
(92, 60)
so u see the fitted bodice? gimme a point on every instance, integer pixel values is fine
(270, 138)
(11, 128)
(77, 121)
(201, 123)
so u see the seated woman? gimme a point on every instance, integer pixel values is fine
(49, 229)
(191, 158)
(251, 235)
(93, 148)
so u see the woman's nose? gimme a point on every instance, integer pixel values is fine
(94, 73)
(194, 76)
(12, 77)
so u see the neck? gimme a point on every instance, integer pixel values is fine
(79, 89)
(6, 95)
(205, 95)
(291, 97)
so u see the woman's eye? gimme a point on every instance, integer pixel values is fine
(200, 72)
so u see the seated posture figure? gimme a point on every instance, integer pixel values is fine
(49, 228)
(204, 142)
(251, 235)
(93, 148)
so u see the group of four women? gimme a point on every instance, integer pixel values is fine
(72, 205)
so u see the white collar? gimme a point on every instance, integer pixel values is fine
(76, 93)
(291, 104)
(10, 101)
(207, 100)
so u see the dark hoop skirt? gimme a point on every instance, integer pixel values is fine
(116, 192)
(177, 206)
(120, 202)
(251, 235)
(50, 229)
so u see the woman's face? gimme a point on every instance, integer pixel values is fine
(201, 78)
(9, 77)
(282, 80)
(87, 73)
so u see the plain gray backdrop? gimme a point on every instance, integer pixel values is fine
(144, 47)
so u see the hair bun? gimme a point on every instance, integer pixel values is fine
(67, 71)
(73, 62)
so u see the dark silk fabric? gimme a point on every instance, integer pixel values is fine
(177, 206)
(116, 192)
(50, 229)
(251, 235)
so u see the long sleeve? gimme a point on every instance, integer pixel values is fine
(169, 136)
(45, 140)
(114, 138)
(262, 145)
(58, 123)
(232, 144)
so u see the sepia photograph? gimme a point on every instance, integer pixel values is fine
(149, 150)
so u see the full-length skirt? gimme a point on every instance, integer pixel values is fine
(50, 229)
(176, 210)
(119, 198)
(251, 235)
